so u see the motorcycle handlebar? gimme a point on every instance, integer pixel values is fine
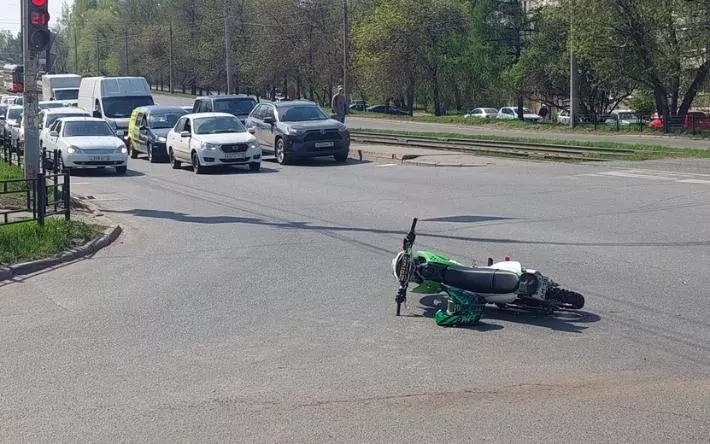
(414, 224)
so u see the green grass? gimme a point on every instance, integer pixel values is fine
(529, 126)
(12, 201)
(640, 151)
(28, 241)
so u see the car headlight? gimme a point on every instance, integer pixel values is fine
(73, 150)
(122, 149)
(210, 146)
(253, 146)
(162, 139)
(295, 131)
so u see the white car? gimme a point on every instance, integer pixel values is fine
(511, 112)
(212, 139)
(49, 116)
(87, 142)
(485, 113)
(12, 122)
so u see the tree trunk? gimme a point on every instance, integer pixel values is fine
(435, 84)
(700, 76)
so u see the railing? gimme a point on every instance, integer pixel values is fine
(46, 195)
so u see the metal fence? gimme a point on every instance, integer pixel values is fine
(49, 194)
(691, 123)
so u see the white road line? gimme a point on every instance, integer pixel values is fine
(707, 182)
(636, 176)
(387, 165)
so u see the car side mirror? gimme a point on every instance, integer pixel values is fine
(185, 134)
(251, 130)
(53, 134)
(269, 120)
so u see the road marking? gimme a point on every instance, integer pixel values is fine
(635, 175)
(707, 182)
(658, 175)
(387, 165)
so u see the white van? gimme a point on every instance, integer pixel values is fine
(114, 99)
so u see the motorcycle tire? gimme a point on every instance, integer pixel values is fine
(568, 298)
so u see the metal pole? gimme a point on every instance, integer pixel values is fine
(227, 48)
(572, 88)
(171, 56)
(98, 56)
(76, 54)
(345, 52)
(30, 108)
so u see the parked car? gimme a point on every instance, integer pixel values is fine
(49, 104)
(210, 140)
(358, 105)
(299, 129)
(239, 105)
(12, 121)
(623, 117)
(692, 120)
(3, 111)
(87, 142)
(511, 112)
(148, 130)
(49, 116)
(384, 109)
(485, 113)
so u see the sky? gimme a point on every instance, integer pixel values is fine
(10, 19)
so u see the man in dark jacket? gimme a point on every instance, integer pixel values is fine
(339, 105)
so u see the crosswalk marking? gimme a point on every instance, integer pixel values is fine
(655, 175)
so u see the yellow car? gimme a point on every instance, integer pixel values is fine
(148, 128)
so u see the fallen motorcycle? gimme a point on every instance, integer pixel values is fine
(469, 289)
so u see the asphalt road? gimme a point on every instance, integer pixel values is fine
(489, 130)
(259, 307)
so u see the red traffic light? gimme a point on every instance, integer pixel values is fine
(40, 18)
(39, 3)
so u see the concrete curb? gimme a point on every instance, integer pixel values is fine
(405, 159)
(109, 235)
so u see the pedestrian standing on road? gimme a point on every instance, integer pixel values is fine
(339, 105)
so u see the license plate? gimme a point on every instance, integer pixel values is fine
(99, 158)
(324, 144)
(235, 155)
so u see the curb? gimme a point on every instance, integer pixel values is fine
(404, 159)
(109, 235)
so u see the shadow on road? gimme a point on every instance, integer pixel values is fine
(321, 162)
(182, 217)
(103, 172)
(466, 219)
(564, 321)
(230, 169)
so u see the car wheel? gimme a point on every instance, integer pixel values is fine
(60, 167)
(151, 155)
(255, 166)
(121, 169)
(176, 164)
(281, 156)
(341, 157)
(197, 168)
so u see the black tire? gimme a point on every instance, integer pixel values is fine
(174, 163)
(197, 167)
(280, 152)
(151, 155)
(341, 157)
(569, 299)
(121, 170)
(255, 166)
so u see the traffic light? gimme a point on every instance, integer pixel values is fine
(38, 24)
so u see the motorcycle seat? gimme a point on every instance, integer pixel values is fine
(482, 280)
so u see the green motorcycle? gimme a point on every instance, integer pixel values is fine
(469, 289)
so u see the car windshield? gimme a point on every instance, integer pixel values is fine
(53, 117)
(302, 114)
(66, 94)
(627, 116)
(218, 125)
(238, 107)
(166, 120)
(491, 110)
(123, 106)
(47, 105)
(14, 113)
(87, 128)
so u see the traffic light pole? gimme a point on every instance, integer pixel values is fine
(31, 93)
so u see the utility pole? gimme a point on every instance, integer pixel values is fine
(125, 50)
(227, 48)
(36, 38)
(572, 88)
(98, 56)
(345, 51)
(171, 56)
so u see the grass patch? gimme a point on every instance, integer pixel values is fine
(640, 151)
(530, 126)
(12, 201)
(28, 241)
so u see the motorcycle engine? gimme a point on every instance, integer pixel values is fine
(529, 284)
